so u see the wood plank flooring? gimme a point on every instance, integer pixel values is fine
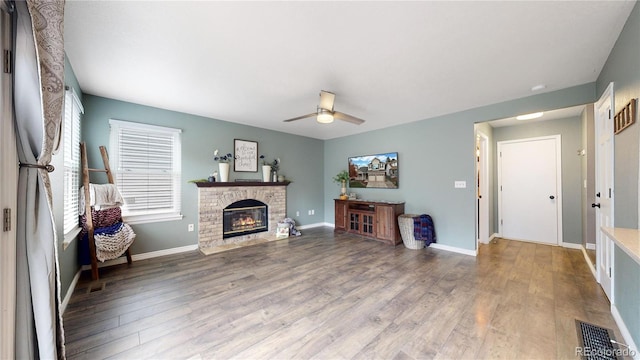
(338, 296)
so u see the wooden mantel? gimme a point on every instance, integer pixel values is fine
(240, 183)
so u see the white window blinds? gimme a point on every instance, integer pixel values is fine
(145, 160)
(71, 151)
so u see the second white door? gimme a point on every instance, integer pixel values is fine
(529, 189)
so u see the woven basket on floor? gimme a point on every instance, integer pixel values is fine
(405, 222)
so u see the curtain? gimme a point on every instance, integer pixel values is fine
(38, 100)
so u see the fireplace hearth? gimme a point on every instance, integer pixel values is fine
(244, 217)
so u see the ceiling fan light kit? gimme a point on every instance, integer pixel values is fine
(325, 113)
(324, 116)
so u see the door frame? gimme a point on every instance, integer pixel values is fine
(558, 140)
(602, 240)
(482, 178)
(8, 198)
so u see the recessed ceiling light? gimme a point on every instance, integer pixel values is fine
(539, 87)
(530, 116)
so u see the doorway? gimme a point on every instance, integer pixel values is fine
(529, 189)
(482, 188)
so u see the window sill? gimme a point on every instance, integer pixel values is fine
(69, 237)
(150, 218)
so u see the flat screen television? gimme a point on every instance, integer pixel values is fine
(374, 171)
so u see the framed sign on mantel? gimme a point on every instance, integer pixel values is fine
(246, 156)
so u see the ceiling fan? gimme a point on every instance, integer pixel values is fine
(325, 113)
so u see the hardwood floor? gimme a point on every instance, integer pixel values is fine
(327, 296)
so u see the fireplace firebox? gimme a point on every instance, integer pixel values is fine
(245, 217)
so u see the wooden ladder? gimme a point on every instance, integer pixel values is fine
(87, 202)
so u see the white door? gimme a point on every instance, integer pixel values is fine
(529, 189)
(8, 200)
(482, 179)
(604, 188)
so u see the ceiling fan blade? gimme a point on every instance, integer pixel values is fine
(348, 118)
(301, 117)
(326, 100)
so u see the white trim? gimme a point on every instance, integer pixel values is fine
(70, 290)
(482, 176)
(164, 252)
(454, 249)
(144, 256)
(76, 99)
(309, 226)
(625, 332)
(69, 237)
(591, 266)
(493, 236)
(591, 246)
(140, 126)
(8, 198)
(571, 246)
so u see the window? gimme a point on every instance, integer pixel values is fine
(145, 161)
(71, 151)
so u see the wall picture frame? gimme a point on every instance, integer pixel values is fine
(245, 155)
(374, 171)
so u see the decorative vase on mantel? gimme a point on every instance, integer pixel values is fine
(224, 171)
(266, 173)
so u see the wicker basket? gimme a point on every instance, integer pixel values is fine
(405, 222)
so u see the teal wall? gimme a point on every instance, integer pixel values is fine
(570, 131)
(434, 153)
(301, 159)
(627, 292)
(623, 68)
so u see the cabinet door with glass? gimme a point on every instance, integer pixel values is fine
(368, 225)
(354, 222)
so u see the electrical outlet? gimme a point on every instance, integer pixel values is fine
(309, 212)
(297, 213)
(313, 212)
(191, 227)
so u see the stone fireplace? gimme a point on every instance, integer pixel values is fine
(245, 199)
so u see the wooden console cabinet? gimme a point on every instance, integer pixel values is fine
(374, 219)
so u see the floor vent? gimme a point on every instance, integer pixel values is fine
(595, 342)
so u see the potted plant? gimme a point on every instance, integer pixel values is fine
(342, 178)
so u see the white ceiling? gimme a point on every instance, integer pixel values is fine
(258, 63)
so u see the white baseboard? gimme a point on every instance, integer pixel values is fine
(309, 226)
(70, 291)
(625, 333)
(143, 256)
(591, 246)
(588, 260)
(164, 252)
(454, 249)
(571, 245)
